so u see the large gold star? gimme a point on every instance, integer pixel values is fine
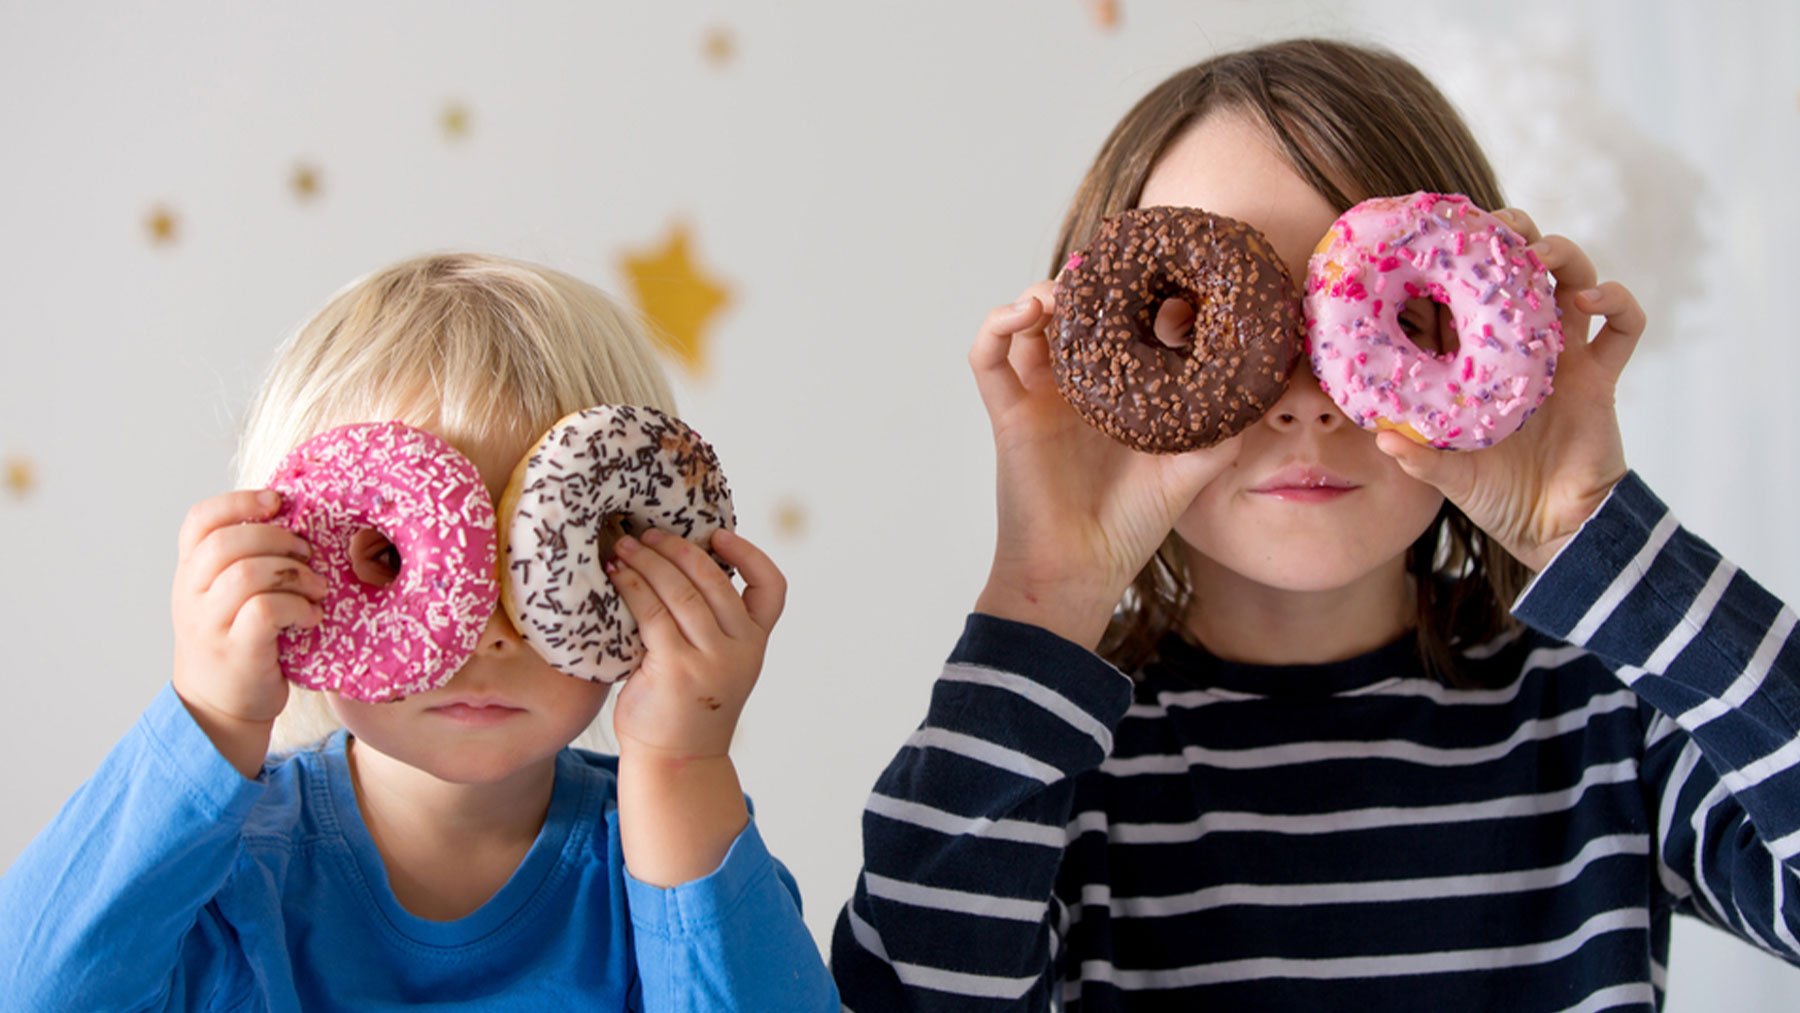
(673, 293)
(21, 477)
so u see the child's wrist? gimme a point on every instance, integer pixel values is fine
(243, 742)
(678, 815)
(666, 762)
(1079, 618)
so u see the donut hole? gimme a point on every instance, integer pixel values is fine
(1174, 326)
(612, 528)
(373, 558)
(1431, 326)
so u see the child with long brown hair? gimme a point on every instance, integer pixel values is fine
(1216, 738)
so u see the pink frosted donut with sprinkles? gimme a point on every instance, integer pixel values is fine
(413, 633)
(597, 474)
(1501, 298)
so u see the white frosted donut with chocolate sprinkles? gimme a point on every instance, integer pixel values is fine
(598, 473)
(389, 641)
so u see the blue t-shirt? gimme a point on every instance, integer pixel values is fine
(169, 881)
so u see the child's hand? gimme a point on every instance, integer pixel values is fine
(680, 805)
(704, 642)
(1533, 490)
(238, 584)
(1080, 513)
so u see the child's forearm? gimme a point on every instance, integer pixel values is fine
(244, 744)
(678, 816)
(120, 880)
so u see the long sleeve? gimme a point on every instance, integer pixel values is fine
(1715, 655)
(732, 940)
(104, 909)
(964, 834)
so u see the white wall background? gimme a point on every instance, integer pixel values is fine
(868, 179)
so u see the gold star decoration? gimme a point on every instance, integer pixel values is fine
(790, 518)
(162, 225)
(21, 477)
(719, 46)
(305, 182)
(676, 296)
(455, 121)
(1104, 12)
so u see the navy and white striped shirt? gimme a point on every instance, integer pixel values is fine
(1353, 835)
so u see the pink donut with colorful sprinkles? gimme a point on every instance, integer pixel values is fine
(388, 642)
(1501, 298)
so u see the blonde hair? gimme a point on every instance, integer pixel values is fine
(1354, 122)
(480, 349)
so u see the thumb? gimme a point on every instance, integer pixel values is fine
(1448, 472)
(1188, 473)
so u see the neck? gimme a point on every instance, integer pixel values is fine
(448, 848)
(1238, 619)
(403, 803)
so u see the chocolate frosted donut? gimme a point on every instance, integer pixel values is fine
(1103, 348)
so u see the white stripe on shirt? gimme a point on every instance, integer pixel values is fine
(1623, 584)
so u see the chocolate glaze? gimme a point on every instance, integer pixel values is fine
(1103, 348)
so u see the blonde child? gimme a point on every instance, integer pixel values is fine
(1271, 725)
(410, 859)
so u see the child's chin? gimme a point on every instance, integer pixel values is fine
(475, 764)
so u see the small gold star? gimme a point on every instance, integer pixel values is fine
(162, 225)
(673, 293)
(455, 120)
(1104, 12)
(21, 477)
(790, 518)
(719, 46)
(305, 182)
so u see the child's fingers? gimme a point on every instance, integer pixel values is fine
(1568, 262)
(1521, 223)
(216, 512)
(765, 587)
(676, 593)
(226, 545)
(258, 575)
(1029, 355)
(1449, 473)
(655, 623)
(1625, 323)
(702, 572)
(989, 356)
(263, 616)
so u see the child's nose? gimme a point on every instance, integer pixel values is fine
(498, 637)
(1305, 405)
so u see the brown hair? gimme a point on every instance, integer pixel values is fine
(1354, 122)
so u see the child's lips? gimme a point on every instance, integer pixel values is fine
(1305, 484)
(1306, 494)
(477, 713)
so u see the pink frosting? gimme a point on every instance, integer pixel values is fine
(389, 642)
(1387, 250)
